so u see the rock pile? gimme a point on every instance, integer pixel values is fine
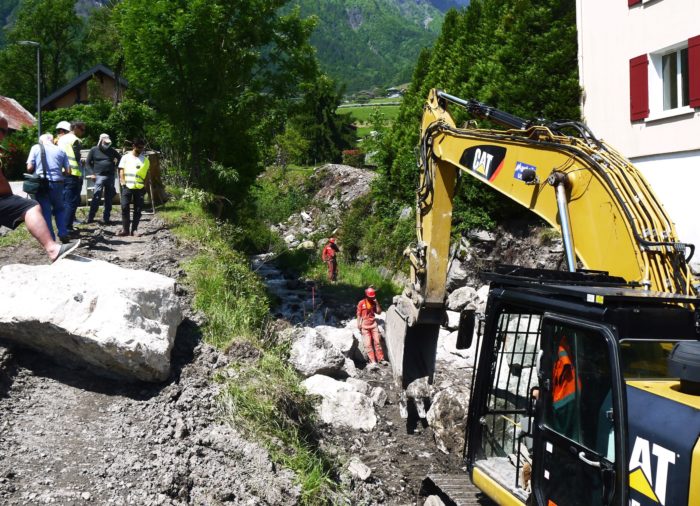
(339, 186)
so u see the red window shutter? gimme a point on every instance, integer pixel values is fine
(633, 2)
(694, 71)
(639, 88)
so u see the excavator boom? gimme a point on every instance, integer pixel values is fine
(609, 216)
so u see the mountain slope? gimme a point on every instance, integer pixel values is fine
(367, 43)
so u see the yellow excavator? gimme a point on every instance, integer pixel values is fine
(586, 385)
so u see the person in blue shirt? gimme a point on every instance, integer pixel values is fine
(51, 198)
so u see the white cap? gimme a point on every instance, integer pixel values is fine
(63, 125)
(105, 137)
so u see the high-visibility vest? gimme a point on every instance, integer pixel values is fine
(564, 379)
(135, 171)
(65, 142)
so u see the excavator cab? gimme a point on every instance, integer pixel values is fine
(548, 419)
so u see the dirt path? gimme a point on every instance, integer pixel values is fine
(70, 437)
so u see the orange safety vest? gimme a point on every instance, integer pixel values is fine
(564, 379)
(328, 253)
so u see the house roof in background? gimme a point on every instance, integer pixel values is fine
(16, 115)
(97, 69)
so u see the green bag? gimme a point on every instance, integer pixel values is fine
(33, 183)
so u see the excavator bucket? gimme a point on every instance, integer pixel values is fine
(411, 349)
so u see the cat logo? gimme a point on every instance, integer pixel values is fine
(484, 160)
(642, 480)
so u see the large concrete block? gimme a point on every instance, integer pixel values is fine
(119, 321)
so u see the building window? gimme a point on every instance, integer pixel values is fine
(674, 73)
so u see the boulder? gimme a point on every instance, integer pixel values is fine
(459, 299)
(482, 296)
(456, 275)
(447, 417)
(341, 338)
(482, 236)
(342, 405)
(312, 354)
(361, 386)
(118, 321)
(307, 245)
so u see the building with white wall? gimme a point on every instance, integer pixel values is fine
(639, 65)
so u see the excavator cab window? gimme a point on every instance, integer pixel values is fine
(645, 359)
(505, 442)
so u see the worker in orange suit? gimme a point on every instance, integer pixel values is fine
(565, 387)
(367, 308)
(329, 255)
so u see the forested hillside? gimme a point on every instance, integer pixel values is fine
(516, 55)
(367, 43)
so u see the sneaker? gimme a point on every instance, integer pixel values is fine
(122, 233)
(383, 362)
(66, 249)
(136, 233)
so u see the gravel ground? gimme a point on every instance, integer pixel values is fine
(68, 436)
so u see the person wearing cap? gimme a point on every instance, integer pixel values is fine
(328, 255)
(103, 160)
(68, 139)
(50, 198)
(14, 210)
(133, 169)
(367, 308)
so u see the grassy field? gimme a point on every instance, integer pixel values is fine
(361, 114)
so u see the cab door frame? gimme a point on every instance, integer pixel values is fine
(545, 436)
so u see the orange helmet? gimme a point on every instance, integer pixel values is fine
(371, 292)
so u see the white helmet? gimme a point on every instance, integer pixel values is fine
(63, 125)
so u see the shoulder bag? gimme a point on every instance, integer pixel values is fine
(34, 183)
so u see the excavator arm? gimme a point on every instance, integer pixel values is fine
(609, 217)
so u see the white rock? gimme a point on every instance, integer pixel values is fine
(447, 417)
(482, 295)
(456, 274)
(459, 299)
(378, 396)
(341, 338)
(452, 320)
(433, 500)
(308, 245)
(305, 216)
(289, 238)
(350, 410)
(312, 354)
(361, 386)
(120, 321)
(349, 368)
(482, 235)
(325, 386)
(342, 405)
(358, 469)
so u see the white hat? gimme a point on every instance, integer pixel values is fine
(63, 125)
(105, 137)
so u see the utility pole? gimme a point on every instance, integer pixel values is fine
(38, 80)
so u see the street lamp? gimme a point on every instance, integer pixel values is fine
(38, 79)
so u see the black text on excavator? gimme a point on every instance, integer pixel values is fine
(586, 387)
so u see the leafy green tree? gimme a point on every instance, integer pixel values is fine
(53, 24)
(212, 67)
(517, 55)
(100, 41)
(326, 132)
